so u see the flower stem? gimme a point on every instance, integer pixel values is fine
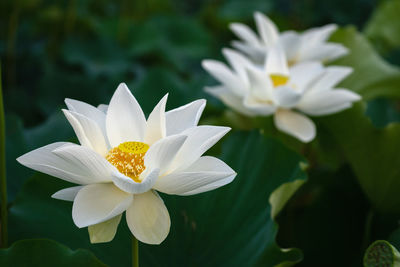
(3, 182)
(135, 252)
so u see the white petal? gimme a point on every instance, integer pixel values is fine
(199, 140)
(258, 106)
(88, 111)
(224, 75)
(238, 62)
(67, 194)
(255, 53)
(286, 96)
(325, 52)
(330, 78)
(125, 120)
(206, 174)
(295, 124)
(319, 34)
(302, 75)
(327, 101)
(97, 203)
(266, 28)
(162, 153)
(95, 168)
(230, 99)
(44, 160)
(126, 184)
(105, 231)
(184, 117)
(148, 218)
(245, 33)
(88, 132)
(103, 108)
(276, 62)
(290, 41)
(155, 129)
(261, 86)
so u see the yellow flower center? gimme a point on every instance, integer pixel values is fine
(278, 79)
(128, 158)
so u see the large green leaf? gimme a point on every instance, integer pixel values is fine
(384, 27)
(372, 76)
(43, 252)
(231, 226)
(373, 154)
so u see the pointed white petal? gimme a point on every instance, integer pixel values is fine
(286, 96)
(67, 194)
(103, 108)
(238, 62)
(105, 231)
(199, 140)
(184, 117)
(256, 54)
(44, 160)
(245, 33)
(290, 41)
(319, 34)
(295, 124)
(88, 132)
(260, 84)
(229, 99)
(266, 28)
(162, 153)
(88, 111)
(304, 74)
(125, 120)
(224, 75)
(325, 52)
(148, 218)
(276, 62)
(331, 77)
(95, 168)
(156, 129)
(206, 174)
(97, 203)
(258, 107)
(126, 184)
(327, 101)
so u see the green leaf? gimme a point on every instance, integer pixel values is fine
(372, 76)
(383, 29)
(230, 226)
(381, 253)
(43, 252)
(372, 153)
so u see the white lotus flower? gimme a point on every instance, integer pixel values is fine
(124, 159)
(277, 89)
(310, 45)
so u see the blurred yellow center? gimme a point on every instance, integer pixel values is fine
(128, 158)
(278, 80)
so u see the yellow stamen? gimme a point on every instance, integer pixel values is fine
(128, 158)
(278, 79)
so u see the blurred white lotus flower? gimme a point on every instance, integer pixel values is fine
(124, 158)
(277, 89)
(310, 45)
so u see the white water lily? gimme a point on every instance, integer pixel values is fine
(277, 89)
(310, 45)
(124, 159)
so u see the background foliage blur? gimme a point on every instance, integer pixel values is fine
(82, 49)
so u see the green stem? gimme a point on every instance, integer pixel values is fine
(367, 229)
(135, 252)
(3, 181)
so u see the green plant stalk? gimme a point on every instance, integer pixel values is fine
(135, 252)
(3, 181)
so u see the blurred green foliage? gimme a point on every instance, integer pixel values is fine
(51, 50)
